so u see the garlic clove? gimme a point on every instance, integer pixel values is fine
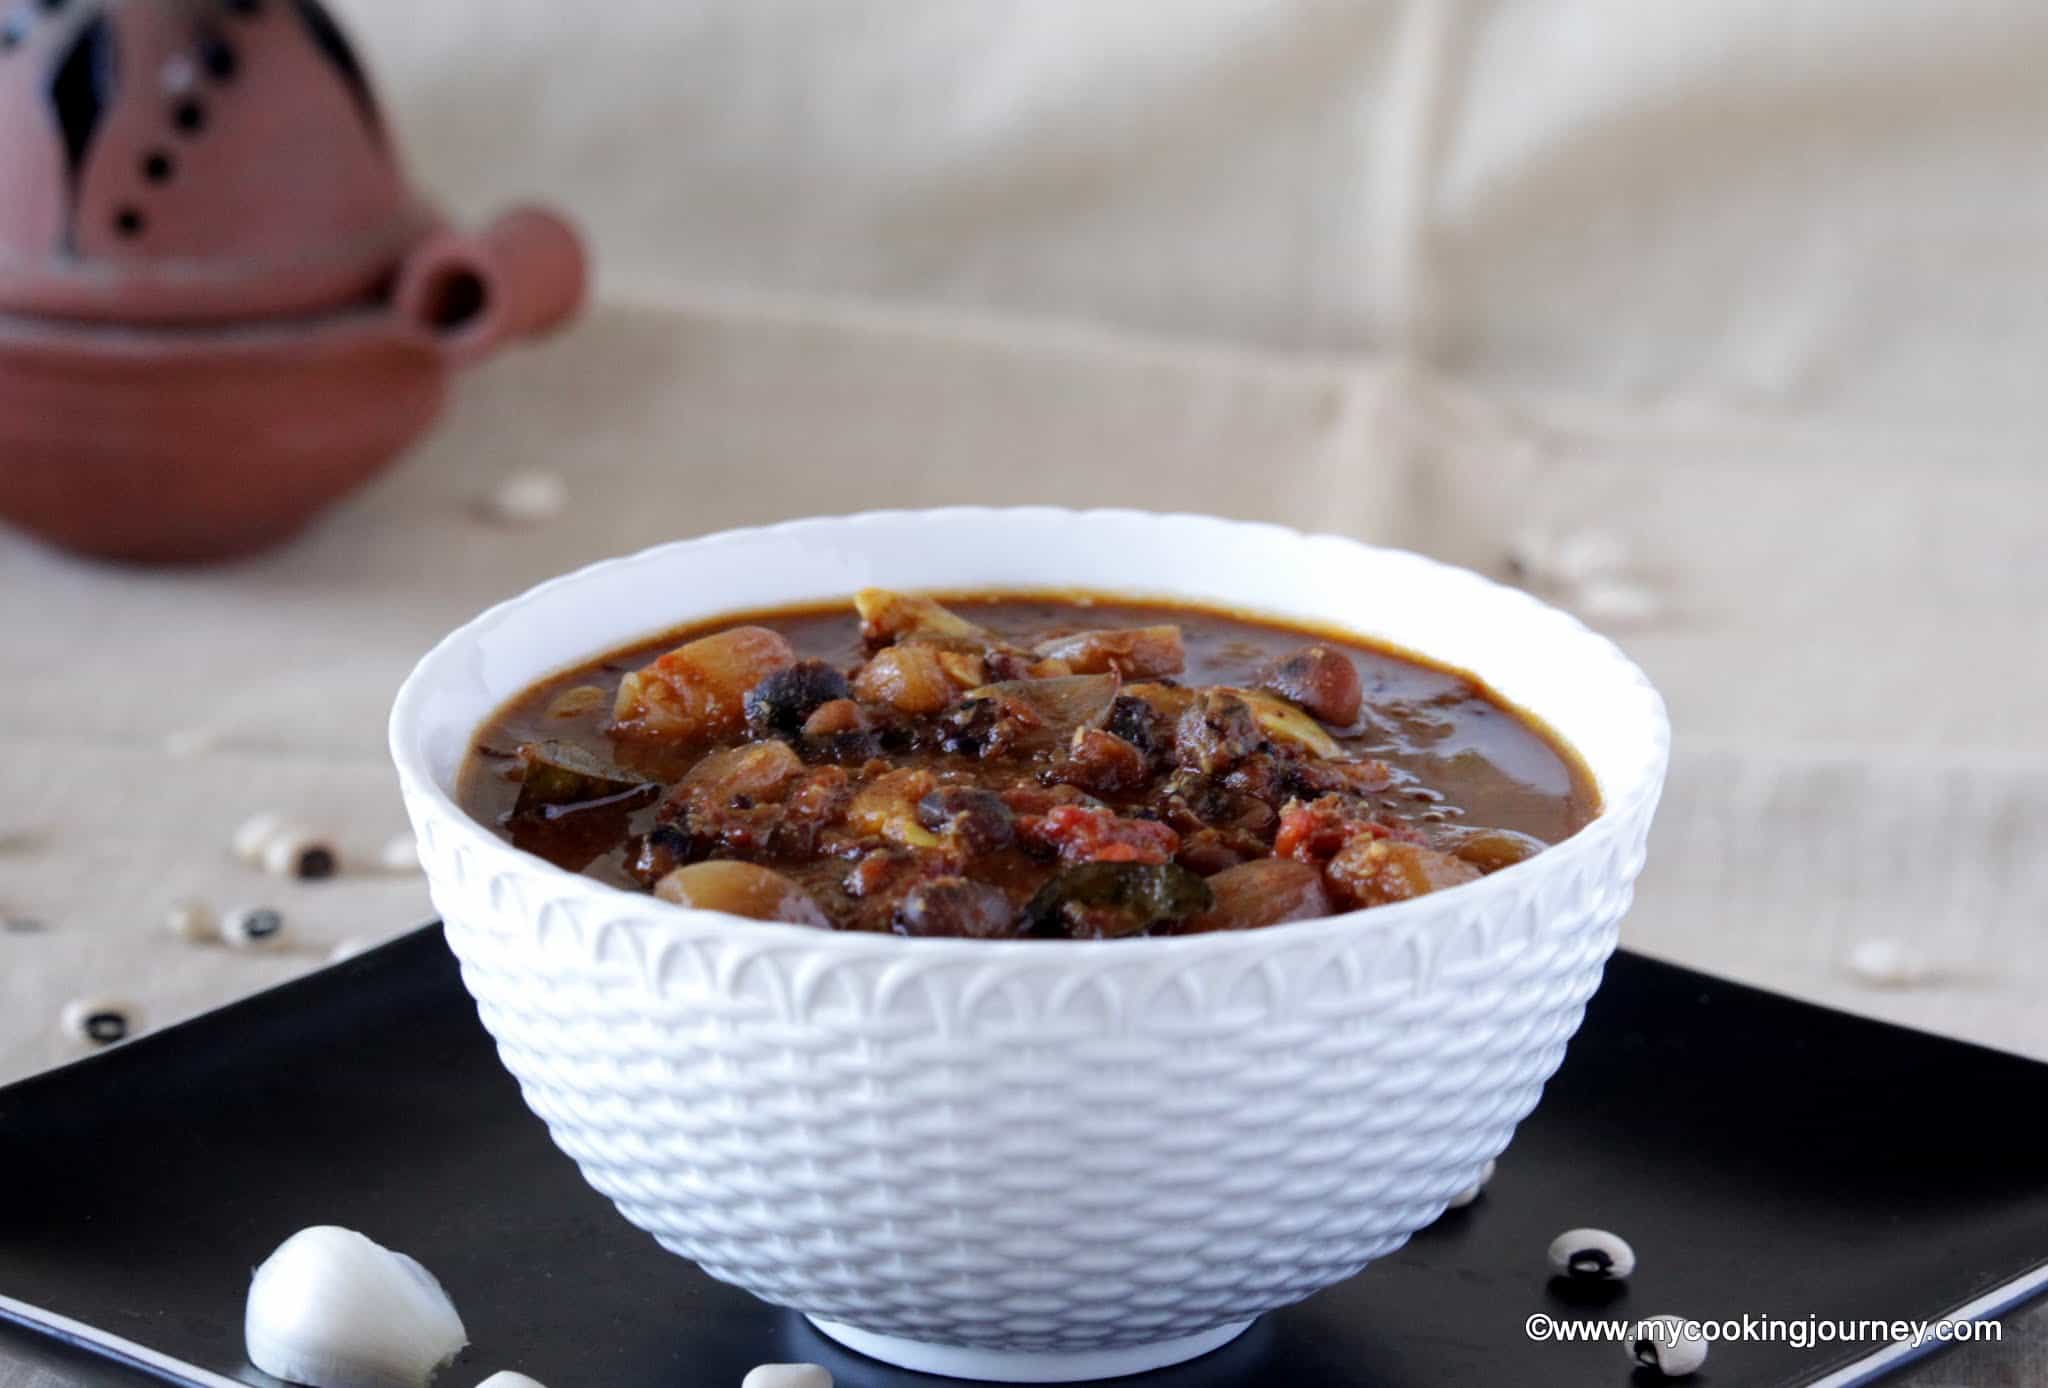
(788, 1376)
(334, 1309)
(505, 1378)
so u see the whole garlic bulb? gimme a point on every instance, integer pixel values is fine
(334, 1309)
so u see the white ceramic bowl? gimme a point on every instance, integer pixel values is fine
(1034, 1161)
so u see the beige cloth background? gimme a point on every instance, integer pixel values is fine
(1755, 295)
(1787, 204)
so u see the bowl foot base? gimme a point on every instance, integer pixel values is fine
(1028, 1366)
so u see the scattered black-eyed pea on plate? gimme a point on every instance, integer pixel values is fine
(1591, 1255)
(1671, 1345)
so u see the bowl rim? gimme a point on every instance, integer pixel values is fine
(1626, 807)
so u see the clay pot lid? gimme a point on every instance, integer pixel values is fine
(176, 161)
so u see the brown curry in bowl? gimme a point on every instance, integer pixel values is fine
(1001, 767)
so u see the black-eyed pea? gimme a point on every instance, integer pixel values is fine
(1591, 1255)
(300, 853)
(100, 1021)
(1671, 1345)
(251, 927)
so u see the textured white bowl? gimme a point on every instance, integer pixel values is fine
(1034, 1161)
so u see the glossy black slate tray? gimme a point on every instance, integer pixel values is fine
(1766, 1157)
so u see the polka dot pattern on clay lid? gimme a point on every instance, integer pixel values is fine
(152, 122)
(216, 56)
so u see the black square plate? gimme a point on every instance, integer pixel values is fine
(1767, 1158)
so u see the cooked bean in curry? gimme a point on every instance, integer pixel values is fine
(1003, 767)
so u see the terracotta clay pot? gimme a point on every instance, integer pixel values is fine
(221, 304)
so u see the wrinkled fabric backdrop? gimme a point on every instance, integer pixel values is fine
(1751, 297)
(1753, 203)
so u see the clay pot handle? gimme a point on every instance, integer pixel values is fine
(469, 295)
